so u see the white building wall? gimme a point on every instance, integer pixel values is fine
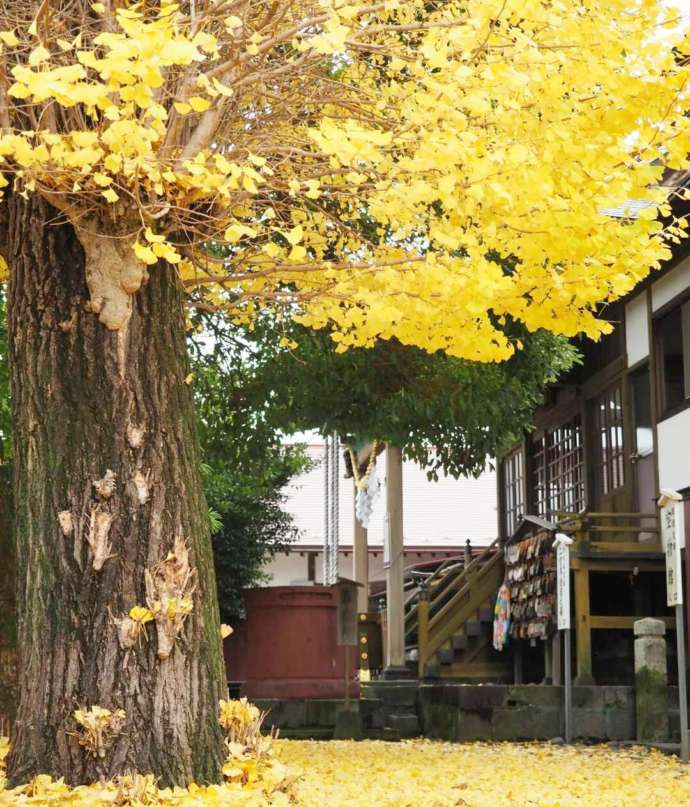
(636, 329)
(674, 451)
(288, 569)
(445, 512)
(671, 284)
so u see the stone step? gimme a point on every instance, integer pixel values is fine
(446, 655)
(459, 641)
(405, 725)
(486, 615)
(307, 733)
(482, 671)
(472, 628)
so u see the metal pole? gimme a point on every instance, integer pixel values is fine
(568, 674)
(682, 682)
(335, 531)
(326, 511)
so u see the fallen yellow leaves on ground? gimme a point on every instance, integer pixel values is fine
(417, 773)
(432, 774)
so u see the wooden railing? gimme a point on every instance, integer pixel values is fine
(435, 584)
(606, 541)
(599, 534)
(442, 609)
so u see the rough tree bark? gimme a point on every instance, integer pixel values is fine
(88, 401)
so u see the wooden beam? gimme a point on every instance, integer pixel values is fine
(625, 622)
(592, 514)
(583, 628)
(626, 548)
(636, 528)
(617, 565)
(423, 634)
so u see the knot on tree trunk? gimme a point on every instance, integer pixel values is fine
(113, 275)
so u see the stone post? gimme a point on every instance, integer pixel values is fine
(651, 681)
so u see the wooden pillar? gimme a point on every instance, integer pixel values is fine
(556, 677)
(583, 630)
(686, 556)
(393, 552)
(548, 662)
(422, 631)
(360, 563)
(517, 662)
(384, 633)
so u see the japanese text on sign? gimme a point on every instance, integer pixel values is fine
(563, 581)
(672, 539)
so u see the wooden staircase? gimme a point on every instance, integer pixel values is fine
(449, 620)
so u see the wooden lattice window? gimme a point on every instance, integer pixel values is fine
(513, 489)
(558, 470)
(608, 423)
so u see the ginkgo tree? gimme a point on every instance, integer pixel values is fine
(231, 149)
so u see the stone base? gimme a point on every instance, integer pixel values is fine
(398, 674)
(348, 724)
(467, 712)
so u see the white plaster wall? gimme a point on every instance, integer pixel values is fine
(287, 569)
(671, 284)
(674, 451)
(636, 329)
(445, 512)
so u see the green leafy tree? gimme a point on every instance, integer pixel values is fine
(246, 467)
(449, 414)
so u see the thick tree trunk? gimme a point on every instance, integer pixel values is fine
(88, 401)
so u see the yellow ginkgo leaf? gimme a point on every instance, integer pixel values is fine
(141, 614)
(144, 253)
(237, 231)
(271, 249)
(297, 253)
(167, 252)
(199, 104)
(295, 235)
(153, 238)
(9, 38)
(102, 180)
(38, 55)
(223, 89)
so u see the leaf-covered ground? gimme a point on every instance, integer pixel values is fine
(427, 774)
(409, 774)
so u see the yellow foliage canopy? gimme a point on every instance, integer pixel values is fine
(359, 162)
